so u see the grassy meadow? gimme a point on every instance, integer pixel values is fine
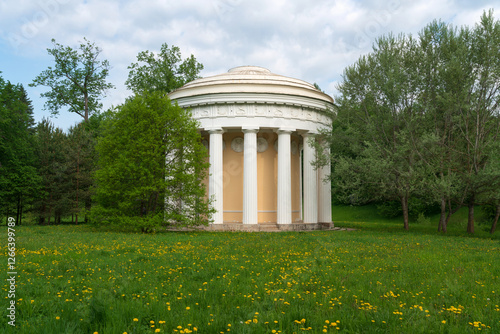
(72, 279)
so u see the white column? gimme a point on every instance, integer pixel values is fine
(215, 181)
(310, 182)
(250, 176)
(301, 189)
(325, 192)
(284, 205)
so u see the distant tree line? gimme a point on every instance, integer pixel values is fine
(418, 122)
(40, 165)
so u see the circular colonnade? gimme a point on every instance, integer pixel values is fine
(258, 127)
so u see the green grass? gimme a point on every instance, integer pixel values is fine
(367, 218)
(72, 279)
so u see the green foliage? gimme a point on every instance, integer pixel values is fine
(164, 72)
(490, 211)
(378, 110)
(389, 209)
(77, 81)
(80, 163)
(418, 119)
(19, 180)
(151, 166)
(52, 165)
(416, 208)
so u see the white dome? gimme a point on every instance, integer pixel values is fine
(249, 79)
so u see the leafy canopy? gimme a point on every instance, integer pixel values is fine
(77, 80)
(151, 166)
(165, 71)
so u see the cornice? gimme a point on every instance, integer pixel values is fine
(254, 98)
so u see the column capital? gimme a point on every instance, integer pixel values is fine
(214, 130)
(284, 130)
(307, 134)
(249, 129)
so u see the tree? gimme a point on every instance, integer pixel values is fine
(19, 179)
(151, 166)
(164, 72)
(50, 149)
(80, 163)
(480, 102)
(421, 118)
(379, 105)
(443, 56)
(77, 81)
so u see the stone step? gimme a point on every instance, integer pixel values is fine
(268, 227)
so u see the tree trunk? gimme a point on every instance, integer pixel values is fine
(18, 212)
(77, 180)
(404, 206)
(495, 221)
(41, 219)
(451, 211)
(470, 220)
(50, 209)
(21, 211)
(442, 217)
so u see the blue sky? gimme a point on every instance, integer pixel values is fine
(310, 40)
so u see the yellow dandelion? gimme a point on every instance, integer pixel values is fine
(188, 308)
(57, 318)
(135, 319)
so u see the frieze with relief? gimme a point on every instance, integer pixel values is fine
(264, 110)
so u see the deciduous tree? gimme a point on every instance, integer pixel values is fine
(150, 168)
(164, 72)
(77, 81)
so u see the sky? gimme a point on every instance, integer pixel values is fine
(312, 40)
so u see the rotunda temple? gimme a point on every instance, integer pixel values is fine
(258, 127)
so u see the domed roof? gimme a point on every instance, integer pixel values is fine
(249, 79)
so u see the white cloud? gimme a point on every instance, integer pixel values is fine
(310, 40)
